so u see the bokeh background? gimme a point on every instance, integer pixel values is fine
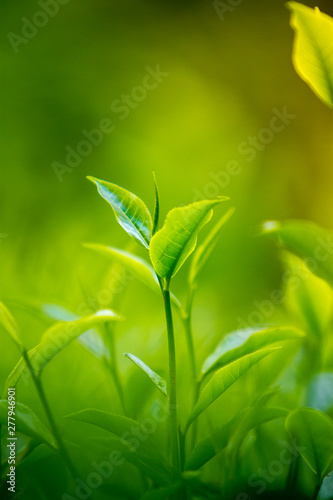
(225, 78)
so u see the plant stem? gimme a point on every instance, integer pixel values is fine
(187, 325)
(172, 378)
(113, 365)
(61, 446)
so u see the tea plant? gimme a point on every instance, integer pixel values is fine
(216, 439)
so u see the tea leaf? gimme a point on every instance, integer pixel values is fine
(154, 377)
(224, 378)
(308, 298)
(208, 448)
(242, 342)
(171, 245)
(313, 48)
(130, 431)
(130, 211)
(163, 493)
(307, 240)
(136, 265)
(90, 340)
(204, 250)
(313, 431)
(8, 323)
(55, 339)
(27, 423)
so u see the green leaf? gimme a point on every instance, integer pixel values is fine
(308, 298)
(130, 211)
(172, 245)
(157, 206)
(8, 323)
(208, 448)
(242, 342)
(223, 379)
(307, 240)
(162, 493)
(254, 417)
(154, 377)
(204, 250)
(55, 339)
(19, 370)
(136, 265)
(313, 49)
(313, 432)
(27, 423)
(129, 431)
(90, 340)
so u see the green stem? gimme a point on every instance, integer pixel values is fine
(61, 446)
(113, 365)
(187, 324)
(172, 379)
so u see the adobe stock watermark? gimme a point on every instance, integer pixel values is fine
(227, 7)
(122, 108)
(132, 439)
(263, 310)
(31, 27)
(3, 236)
(263, 477)
(249, 148)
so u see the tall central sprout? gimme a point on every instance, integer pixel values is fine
(168, 247)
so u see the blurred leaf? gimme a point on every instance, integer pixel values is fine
(19, 370)
(308, 297)
(313, 431)
(154, 377)
(307, 240)
(137, 266)
(131, 213)
(313, 49)
(157, 207)
(224, 378)
(242, 342)
(129, 431)
(206, 449)
(320, 392)
(27, 423)
(326, 490)
(8, 323)
(90, 340)
(171, 245)
(239, 426)
(162, 493)
(255, 416)
(57, 338)
(204, 250)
